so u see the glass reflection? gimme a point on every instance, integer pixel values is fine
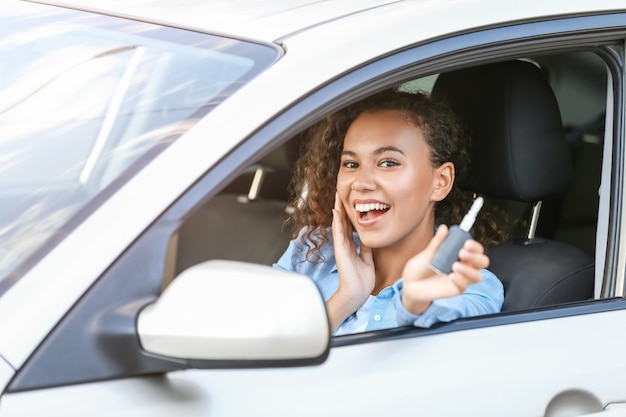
(84, 100)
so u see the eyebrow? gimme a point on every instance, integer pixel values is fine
(377, 151)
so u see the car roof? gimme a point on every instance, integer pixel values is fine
(268, 20)
(275, 20)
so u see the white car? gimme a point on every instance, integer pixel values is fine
(146, 149)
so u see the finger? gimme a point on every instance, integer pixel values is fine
(473, 246)
(337, 223)
(418, 267)
(465, 274)
(477, 260)
(459, 282)
(347, 224)
(338, 230)
(336, 226)
(436, 241)
(341, 227)
(438, 286)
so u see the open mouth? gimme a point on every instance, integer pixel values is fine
(371, 211)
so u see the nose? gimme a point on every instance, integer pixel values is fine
(364, 179)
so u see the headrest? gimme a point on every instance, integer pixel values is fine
(518, 149)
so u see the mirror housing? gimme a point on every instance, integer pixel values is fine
(235, 314)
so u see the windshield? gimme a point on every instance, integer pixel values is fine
(85, 101)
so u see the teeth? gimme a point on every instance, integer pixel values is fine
(369, 207)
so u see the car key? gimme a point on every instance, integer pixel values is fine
(448, 252)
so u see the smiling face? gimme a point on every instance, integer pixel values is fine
(387, 183)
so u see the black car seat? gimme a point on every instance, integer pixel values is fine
(245, 221)
(518, 153)
(574, 217)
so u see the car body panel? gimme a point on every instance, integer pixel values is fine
(266, 21)
(560, 351)
(6, 373)
(279, 19)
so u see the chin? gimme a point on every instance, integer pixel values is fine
(374, 242)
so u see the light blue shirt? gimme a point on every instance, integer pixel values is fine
(386, 310)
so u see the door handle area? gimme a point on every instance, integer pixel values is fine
(581, 403)
(611, 410)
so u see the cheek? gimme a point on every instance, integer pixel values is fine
(344, 188)
(411, 185)
(343, 183)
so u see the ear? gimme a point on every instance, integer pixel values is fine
(443, 182)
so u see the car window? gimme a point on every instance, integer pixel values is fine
(246, 220)
(83, 98)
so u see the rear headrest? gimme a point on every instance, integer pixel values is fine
(518, 149)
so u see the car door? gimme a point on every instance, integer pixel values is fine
(558, 360)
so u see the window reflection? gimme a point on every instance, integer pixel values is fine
(85, 97)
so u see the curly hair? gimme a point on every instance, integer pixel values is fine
(314, 182)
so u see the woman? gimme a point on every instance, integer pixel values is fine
(394, 158)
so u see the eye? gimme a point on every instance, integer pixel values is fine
(349, 164)
(388, 163)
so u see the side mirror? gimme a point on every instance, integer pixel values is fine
(235, 314)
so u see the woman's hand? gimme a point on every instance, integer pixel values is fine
(356, 270)
(422, 285)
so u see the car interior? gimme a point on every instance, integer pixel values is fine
(518, 153)
(537, 126)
